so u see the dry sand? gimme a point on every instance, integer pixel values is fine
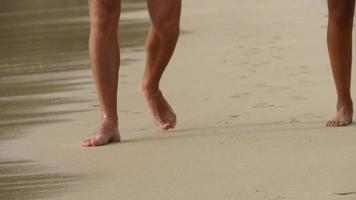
(252, 87)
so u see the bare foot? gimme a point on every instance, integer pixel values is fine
(343, 117)
(106, 133)
(162, 113)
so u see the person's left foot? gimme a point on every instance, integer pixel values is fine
(162, 113)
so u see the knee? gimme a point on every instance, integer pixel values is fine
(104, 17)
(342, 13)
(167, 25)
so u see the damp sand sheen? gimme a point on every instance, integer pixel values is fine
(251, 85)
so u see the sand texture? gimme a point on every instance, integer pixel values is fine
(252, 87)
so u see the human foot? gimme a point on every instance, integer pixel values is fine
(106, 133)
(162, 113)
(343, 116)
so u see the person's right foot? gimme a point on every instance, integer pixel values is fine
(343, 116)
(106, 133)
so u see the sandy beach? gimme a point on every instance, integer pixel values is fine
(252, 87)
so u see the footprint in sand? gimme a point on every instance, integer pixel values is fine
(345, 193)
(276, 57)
(294, 120)
(263, 85)
(255, 66)
(264, 105)
(299, 98)
(303, 67)
(224, 122)
(234, 137)
(243, 77)
(265, 63)
(312, 115)
(228, 121)
(252, 71)
(234, 116)
(243, 95)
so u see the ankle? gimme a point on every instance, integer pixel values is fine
(110, 121)
(149, 89)
(345, 104)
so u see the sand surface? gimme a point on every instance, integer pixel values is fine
(252, 87)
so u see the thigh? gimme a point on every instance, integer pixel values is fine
(162, 11)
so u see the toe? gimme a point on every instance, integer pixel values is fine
(328, 123)
(331, 124)
(98, 142)
(172, 120)
(86, 143)
(334, 123)
(173, 123)
(339, 123)
(94, 142)
(165, 126)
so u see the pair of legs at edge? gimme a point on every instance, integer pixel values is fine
(340, 27)
(105, 59)
(162, 38)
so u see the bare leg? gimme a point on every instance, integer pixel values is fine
(161, 42)
(341, 14)
(105, 59)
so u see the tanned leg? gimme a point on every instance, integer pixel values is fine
(105, 61)
(341, 14)
(161, 42)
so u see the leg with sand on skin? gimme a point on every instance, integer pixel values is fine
(341, 15)
(105, 60)
(161, 42)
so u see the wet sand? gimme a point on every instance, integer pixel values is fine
(23, 179)
(252, 88)
(44, 59)
(43, 64)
